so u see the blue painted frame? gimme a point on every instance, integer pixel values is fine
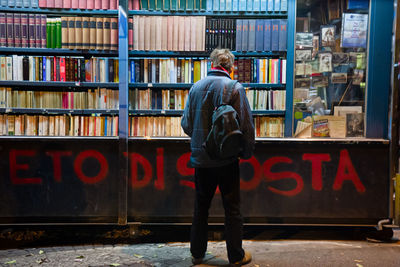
(379, 68)
(291, 30)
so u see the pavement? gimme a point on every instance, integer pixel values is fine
(271, 252)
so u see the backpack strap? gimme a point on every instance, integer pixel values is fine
(226, 94)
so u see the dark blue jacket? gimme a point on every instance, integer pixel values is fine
(204, 96)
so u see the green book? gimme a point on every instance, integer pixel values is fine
(58, 33)
(174, 5)
(166, 5)
(189, 5)
(203, 5)
(197, 5)
(159, 4)
(48, 31)
(144, 4)
(182, 5)
(53, 34)
(152, 4)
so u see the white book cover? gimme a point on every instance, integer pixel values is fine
(9, 66)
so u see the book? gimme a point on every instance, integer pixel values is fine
(3, 29)
(85, 33)
(71, 33)
(114, 34)
(245, 34)
(107, 33)
(58, 4)
(92, 33)
(38, 28)
(65, 4)
(10, 29)
(130, 33)
(259, 35)
(78, 33)
(99, 34)
(17, 30)
(43, 30)
(277, 5)
(275, 34)
(252, 35)
(282, 35)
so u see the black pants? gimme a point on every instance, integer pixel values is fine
(228, 180)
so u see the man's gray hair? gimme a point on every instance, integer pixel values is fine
(222, 58)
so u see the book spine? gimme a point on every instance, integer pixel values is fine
(97, 4)
(50, 3)
(43, 20)
(74, 4)
(282, 34)
(114, 34)
(53, 35)
(64, 32)
(85, 33)
(35, 3)
(92, 32)
(78, 33)
(62, 69)
(42, 3)
(17, 30)
(3, 30)
(71, 32)
(58, 3)
(130, 34)
(99, 33)
(105, 4)
(81, 4)
(48, 31)
(10, 29)
(107, 33)
(66, 4)
(18, 3)
(38, 27)
(277, 5)
(275, 35)
(90, 4)
(259, 35)
(26, 3)
(114, 4)
(267, 35)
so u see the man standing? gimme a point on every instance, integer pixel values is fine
(204, 97)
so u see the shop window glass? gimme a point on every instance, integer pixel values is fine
(330, 68)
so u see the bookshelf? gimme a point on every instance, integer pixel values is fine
(72, 84)
(209, 18)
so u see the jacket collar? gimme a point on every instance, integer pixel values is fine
(216, 72)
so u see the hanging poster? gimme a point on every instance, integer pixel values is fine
(354, 30)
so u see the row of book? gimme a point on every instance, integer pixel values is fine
(210, 5)
(60, 125)
(89, 33)
(66, 4)
(167, 70)
(260, 70)
(269, 126)
(220, 33)
(266, 99)
(163, 99)
(167, 33)
(155, 126)
(100, 98)
(23, 30)
(261, 35)
(50, 68)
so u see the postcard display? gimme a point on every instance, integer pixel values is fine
(330, 70)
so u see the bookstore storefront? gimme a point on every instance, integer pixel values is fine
(91, 134)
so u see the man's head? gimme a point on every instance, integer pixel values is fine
(222, 58)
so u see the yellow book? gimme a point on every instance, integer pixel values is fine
(196, 71)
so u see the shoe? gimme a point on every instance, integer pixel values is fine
(246, 259)
(197, 261)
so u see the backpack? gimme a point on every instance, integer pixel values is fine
(225, 138)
